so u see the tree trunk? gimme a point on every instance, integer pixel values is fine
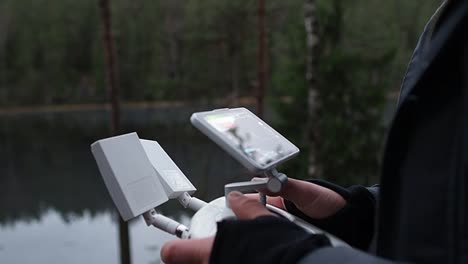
(112, 89)
(173, 27)
(111, 66)
(4, 31)
(235, 58)
(261, 58)
(312, 41)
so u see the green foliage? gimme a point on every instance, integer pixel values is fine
(51, 53)
(359, 66)
(47, 51)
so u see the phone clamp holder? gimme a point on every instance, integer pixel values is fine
(273, 181)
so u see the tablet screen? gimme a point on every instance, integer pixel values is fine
(253, 137)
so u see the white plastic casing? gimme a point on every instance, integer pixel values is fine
(173, 179)
(128, 174)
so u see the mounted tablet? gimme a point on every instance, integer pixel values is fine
(246, 137)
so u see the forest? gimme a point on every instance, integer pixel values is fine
(199, 52)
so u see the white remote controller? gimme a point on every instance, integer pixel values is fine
(204, 222)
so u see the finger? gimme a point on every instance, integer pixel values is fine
(275, 201)
(246, 208)
(187, 251)
(312, 199)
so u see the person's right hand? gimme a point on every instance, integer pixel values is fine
(313, 200)
(198, 250)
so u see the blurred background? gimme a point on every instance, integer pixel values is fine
(324, 73)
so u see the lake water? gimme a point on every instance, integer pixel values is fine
(54, 207)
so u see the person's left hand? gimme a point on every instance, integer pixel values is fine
(199, 250)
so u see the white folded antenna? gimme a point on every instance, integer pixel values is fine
(140, 176)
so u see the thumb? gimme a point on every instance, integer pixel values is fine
(187, 251)
(312, 199)
(246, 208)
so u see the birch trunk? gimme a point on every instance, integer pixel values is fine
(312, 41)
(261, 57)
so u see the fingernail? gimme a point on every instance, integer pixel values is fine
(234, 195)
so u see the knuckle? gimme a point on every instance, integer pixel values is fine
(244, 202)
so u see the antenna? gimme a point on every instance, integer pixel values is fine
(140, 176)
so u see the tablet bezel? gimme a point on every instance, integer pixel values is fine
(199, 121)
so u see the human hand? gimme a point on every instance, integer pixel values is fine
(199, 250)
(313, 200)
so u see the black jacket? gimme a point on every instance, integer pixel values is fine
(422, 206)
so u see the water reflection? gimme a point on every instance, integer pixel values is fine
(51, 240)
(52, 199)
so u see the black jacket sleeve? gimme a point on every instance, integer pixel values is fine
(355, 222)
(342, 255)
(271, 238)
(266, 239)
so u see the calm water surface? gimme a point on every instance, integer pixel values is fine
(54, 207)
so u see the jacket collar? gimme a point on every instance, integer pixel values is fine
(437, 44)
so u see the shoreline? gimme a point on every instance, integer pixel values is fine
(61, 108)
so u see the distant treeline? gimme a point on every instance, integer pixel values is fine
(51, 51)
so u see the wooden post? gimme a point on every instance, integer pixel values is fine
(261, 58)
(113, 96)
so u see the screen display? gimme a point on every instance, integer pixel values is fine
(251, 136)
